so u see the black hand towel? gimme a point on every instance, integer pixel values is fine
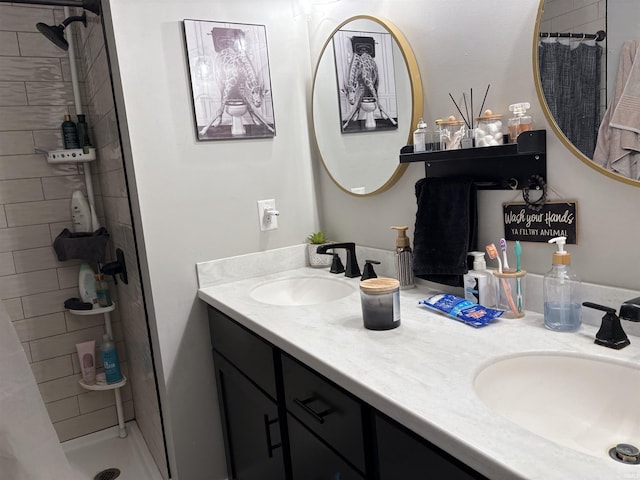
(445, 229)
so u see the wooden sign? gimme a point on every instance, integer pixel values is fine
(556, 219)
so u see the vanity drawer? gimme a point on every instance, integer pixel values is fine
(253, 356)
(325, 409)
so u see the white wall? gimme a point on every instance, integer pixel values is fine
(461, 44)
(196, 201)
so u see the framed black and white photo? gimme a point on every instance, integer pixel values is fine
(366, 81)
(230, 80)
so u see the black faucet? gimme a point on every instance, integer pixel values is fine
(352, 268)
(611, 334)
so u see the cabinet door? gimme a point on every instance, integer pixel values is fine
(311, 459)
(404, 455)
(250, 425)
(244, 349)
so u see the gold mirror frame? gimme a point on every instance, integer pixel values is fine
(416, 97)
(552, 121)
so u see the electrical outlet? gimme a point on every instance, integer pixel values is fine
(267, 221)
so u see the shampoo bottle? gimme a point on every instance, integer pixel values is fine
(102, 291)
(87, 284)
(83, 131)
(404, 259)
(69, 133)
(80, 213)
(479, 284)
(562, 292)
(110, 360)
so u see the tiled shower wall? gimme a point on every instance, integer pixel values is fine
(35, 94)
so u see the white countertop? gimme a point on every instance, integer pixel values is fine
(422, 373)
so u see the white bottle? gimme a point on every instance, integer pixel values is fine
(419, 137)
(480, 285)
(80, 213)
(87, 284)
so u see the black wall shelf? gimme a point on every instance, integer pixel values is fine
(501, 167)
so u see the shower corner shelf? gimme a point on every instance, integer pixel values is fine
(106, 311)
(104, 386)
(95, 311)
(493, 168)
(70, 155)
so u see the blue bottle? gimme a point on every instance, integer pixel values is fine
(110, 360)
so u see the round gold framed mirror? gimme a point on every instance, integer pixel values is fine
(569, 124)
(366, 100)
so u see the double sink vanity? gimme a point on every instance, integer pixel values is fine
(316, 395)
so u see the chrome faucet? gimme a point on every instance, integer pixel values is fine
(352, 269)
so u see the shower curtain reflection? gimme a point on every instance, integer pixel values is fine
(570, 77)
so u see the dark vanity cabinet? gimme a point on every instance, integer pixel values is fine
(401, 454)
(325, 426)
(284, 421)
(247, 393)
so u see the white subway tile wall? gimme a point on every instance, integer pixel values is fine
(35, 94)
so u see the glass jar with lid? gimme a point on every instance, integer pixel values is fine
(452, 132)
(488, 131)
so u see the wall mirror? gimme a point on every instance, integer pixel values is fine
(366, 100)
(575, 69)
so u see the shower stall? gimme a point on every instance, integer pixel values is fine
(53, 62)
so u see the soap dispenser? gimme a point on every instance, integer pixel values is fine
(562, 292)
(479, 284)
(404, 259)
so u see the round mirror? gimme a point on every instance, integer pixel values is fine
(576, 70)
(367, 96)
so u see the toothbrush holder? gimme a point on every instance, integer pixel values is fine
(511, 290)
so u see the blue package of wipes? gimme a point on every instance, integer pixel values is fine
(461, 309)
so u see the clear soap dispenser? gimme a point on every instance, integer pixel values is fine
(562, 292)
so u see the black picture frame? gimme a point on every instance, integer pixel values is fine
(230, 80)
(366, 81)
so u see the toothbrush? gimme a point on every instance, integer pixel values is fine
(503, 247)
(518, 251)
(493, 254)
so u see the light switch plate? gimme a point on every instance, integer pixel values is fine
(267, 222)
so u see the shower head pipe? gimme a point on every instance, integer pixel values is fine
(91, 5)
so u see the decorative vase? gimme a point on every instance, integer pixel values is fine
(318, 260)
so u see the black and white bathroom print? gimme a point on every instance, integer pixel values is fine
(366, 78)
(230, 80)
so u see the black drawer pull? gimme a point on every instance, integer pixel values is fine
(318, 416)
(267, 429)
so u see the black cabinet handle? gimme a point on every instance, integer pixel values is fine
(267, 429)
(317, 416)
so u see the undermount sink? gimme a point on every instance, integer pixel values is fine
(301, 290)
(584, 403)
